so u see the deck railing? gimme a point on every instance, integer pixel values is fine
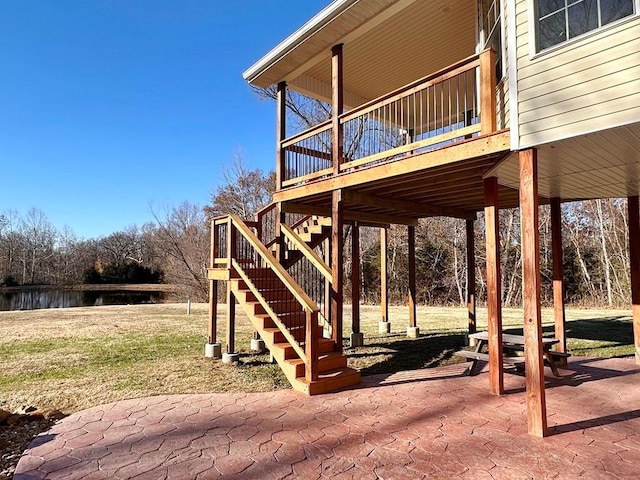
(449, 106)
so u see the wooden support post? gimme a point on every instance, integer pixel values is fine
(488, 104)
(633, 209)
(280, 241)
(494, 301)
(384, 291)
(355, 278)
(534, 359)
(213, 287)
(281, 133)
(337, 266)
(558, 277)
(213, 311)
(471, 277)
(327, 283)
(311, 348)
(337, 106)
(231, 321)
(411, 249)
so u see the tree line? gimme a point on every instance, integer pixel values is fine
(175, 249)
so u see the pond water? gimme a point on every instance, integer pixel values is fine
(33, 299)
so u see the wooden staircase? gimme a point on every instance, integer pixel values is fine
(284, 317)
(313, 231)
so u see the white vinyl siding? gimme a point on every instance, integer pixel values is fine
(589, 84)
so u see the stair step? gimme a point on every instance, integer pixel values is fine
(284, 351)
(275, 335)
(327, 362)
(326, 345)
(332, 381)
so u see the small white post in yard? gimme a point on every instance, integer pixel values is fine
(188, 306)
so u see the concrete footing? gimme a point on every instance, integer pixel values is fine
(257, 345)
(413, 332)
(357, 339)
(384, 327)
(230, 358)
(212, 350)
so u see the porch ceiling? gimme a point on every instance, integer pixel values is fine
(387, 44)
(600, 165)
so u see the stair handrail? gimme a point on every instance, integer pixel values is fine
(309, 355)
(308, 252)
(304, 299)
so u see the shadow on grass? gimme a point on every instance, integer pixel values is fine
(394, 353)
(615, 330)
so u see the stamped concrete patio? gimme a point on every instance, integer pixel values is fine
(427, 423)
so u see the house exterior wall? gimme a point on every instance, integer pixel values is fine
(589, 84)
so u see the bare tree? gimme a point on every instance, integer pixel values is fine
(244, 191)
(182, 237)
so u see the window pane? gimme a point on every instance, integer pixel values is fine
(613, 10)
(552, 30)
(583, 17)
(545, 7)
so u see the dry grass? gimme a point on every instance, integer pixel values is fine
(79, 357)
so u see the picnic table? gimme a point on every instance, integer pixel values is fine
(511, 343)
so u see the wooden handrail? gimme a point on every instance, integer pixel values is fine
(310, 254)
(309, 132)
(306, 302)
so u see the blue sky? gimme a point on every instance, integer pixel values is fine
(108, 106)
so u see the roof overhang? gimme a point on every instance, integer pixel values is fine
(387, 44)
(256, 73)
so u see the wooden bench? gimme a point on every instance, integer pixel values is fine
(476, 356)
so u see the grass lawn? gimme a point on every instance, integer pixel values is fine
(75, 358)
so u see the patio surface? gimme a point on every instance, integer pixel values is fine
(433, 423)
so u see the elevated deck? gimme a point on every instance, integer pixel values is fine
(419, 151)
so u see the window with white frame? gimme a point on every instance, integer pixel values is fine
(492, 31)
(561, 20)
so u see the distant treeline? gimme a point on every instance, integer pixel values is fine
(172, 250)
(175, 249)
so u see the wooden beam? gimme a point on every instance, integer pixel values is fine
(466, 151)
(384, 289)
(405, 206)
(280, 240)
(494, 302)
(633, 210)
(327, 283)
(355, 278)
(213, 311)
(281, 133)
(372, 219)
(337, 106)
(488, 103)
(411, 250)
(534, 359)
(558, 277)
(337, 266)
(471, 277)
(231, 321)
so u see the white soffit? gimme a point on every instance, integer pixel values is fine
(603, 164)
(387, 45)
(326, 28)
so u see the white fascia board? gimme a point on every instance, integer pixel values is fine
(319, 21)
